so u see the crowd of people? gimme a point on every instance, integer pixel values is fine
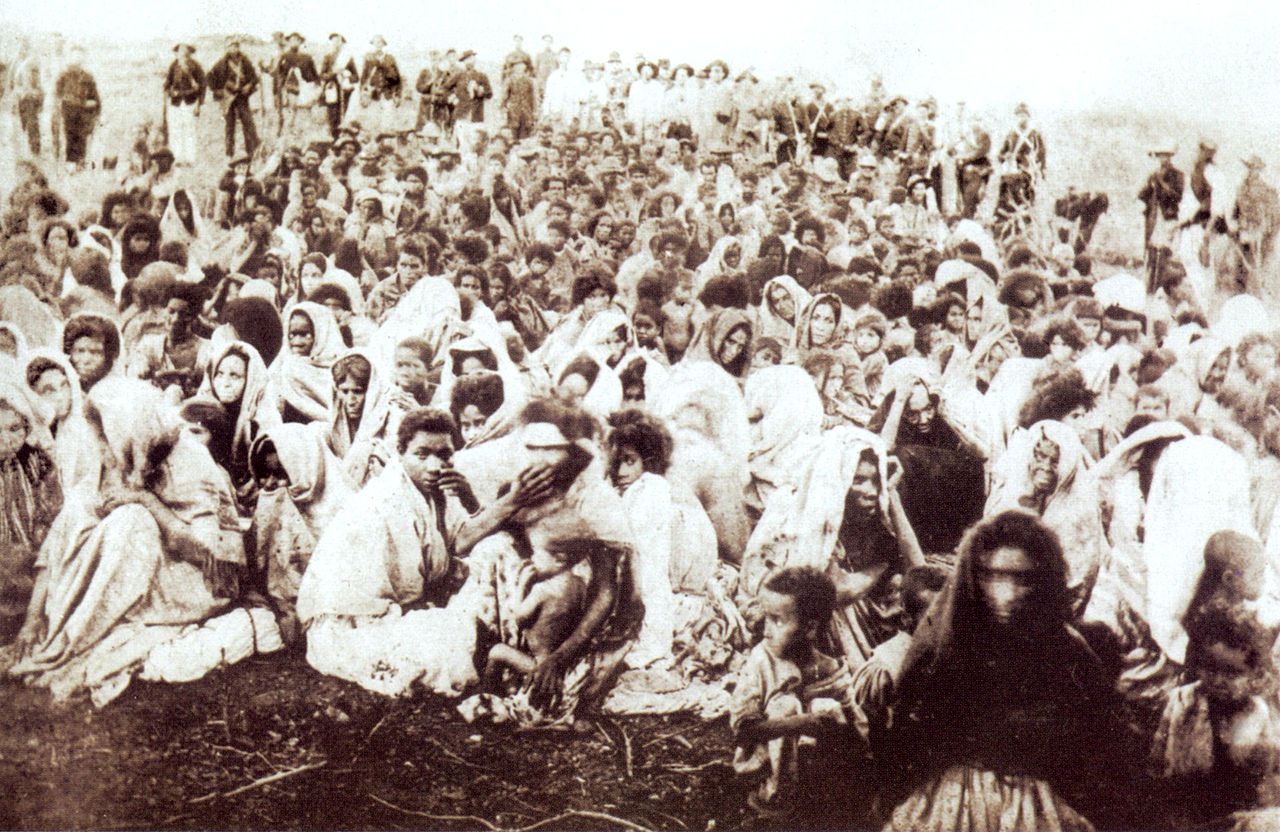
(658, 390)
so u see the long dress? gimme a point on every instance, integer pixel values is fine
(115, 595)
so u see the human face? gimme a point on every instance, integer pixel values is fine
(544, 443)
(471, 366)
(1061, 351)
(646, 329)
(340, 313)
(1225, 673)
(1217, 373)
(731, 348)
(469, 284)
(671, 257)
(229, 379)
(866, 341)
(302, 335)
(1044, 466)
(782, 304)
(1006, 583)
(425, 456)
(973, 324)
(139, 243)
(119, 215)
(785, 635)
(179, 316)
(1153, 406)
(554, 190)
(8, 344)
(766, 357)
(199, 432)
(1090, 327)
(471, 422)
(89, 358)
(615, 345)
(604, 230)
(595, 303)
(273, 475)
(822, 324)
(410, 372)
(351, 396)
(57, 242)
(630, 468)
(955, 319)
(920, 410)
(13, 432)
(311, 275)
(54, 389)
(410, 268)
(865, 488)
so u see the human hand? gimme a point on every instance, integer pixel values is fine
(452, 482)
(533, 485)
(546, 683)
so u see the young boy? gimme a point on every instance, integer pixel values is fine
(554, 601)
(789, 694)
(868, 337)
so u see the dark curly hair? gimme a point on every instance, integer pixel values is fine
(812, 592)
(1055, 397)
(642, 433)
(424, 420)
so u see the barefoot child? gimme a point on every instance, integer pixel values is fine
(789, 694)
(554, 600)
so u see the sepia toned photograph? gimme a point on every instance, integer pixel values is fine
(673, 416)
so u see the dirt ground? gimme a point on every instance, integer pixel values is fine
(167, 757)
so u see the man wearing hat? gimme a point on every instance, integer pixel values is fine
(472, 88)
(425, 86)
(520, 100)
(79, 105)
(1257, 215)
(380, 82)
(338, 76)
(26, 83)
(232, 80)
(1161, 196)
(515, 56)
(1022, 164)
(184, 88)
(293, 69)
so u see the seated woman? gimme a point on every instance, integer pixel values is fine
(412, 377)
(586, 382)
(363, 418)
(477, 402)
(558, 503)
(1046, 471)
(31, 498)
(177, 356)
(237, 380)
(124, 570)
(302, 370)
(724, 339)
(842, 515)
(56, 385)
(365, 617)
(689, 622)
(92, 345)
(786, 418)
(1003, 718)
(301, 489)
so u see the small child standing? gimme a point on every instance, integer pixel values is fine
(789, 694)
(554, 601)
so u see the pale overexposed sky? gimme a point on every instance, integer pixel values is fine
(1214, 60)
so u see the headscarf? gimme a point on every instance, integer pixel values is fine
(305, 382)
(711, 336)
(801, 523)
(1199, 486)
(377, 419)
(428, 311)
(74, 437)
(317, 484)
(773, 326)
(1240, 316)
(789, 423)
(1071, 510)
(801, 340)
(135, 423)
(258, 407)
(605, 394)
